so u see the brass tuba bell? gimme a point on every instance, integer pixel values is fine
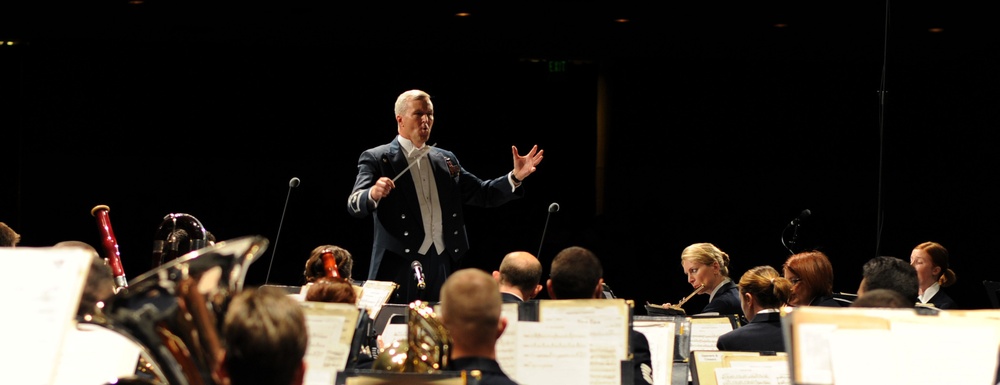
(176, 310)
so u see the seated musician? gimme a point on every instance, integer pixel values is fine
(707, 270)
(257, 356)
(338, 290)
(576, 273)
(471, 312)
(762, 294)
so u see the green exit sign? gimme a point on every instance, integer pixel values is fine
(557, 66)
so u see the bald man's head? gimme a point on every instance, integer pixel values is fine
(520, 269)
(470, 309)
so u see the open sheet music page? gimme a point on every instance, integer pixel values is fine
(661, 347)
(506, 347)
(374, 294)
(93, 354)
(574, 342)
(46, 305)
(705, 331)
(842, 343)
(331, 330)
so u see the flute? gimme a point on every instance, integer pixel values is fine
(685, 299)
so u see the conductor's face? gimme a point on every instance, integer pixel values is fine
(415, 124)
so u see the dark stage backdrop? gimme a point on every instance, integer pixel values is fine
(669, 140)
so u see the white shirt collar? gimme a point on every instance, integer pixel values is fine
(930, 292)
(716, 289)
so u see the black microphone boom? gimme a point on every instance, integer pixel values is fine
(552, 208)
(794, 224)
(418, 274)
(803, 215)
(292, 183)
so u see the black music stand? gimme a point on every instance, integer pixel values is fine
(389, 312)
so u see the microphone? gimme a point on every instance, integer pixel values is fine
(418, 274)
(292, 183)
(794, 224)
(552, 208)
(803, 215)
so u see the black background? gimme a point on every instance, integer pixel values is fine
(692, 123)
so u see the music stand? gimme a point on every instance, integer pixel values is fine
(387, 313)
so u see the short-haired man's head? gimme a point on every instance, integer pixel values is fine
(266, 337)
(315, 269)
(882, 298)
(707, 254)
(522, 270)
(470, 307)
(403, 101)
(576, 272)
(336, 290)
(885, 272)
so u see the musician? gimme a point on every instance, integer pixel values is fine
(471, 312)
(882, 298)
(887, 272)
(576, 273)
(364, 344)
(315, 268)
(931, 261)
(519, 277)
(762, 294)
(416, 192)
(256, 355)
(707, 266)
(811, 274)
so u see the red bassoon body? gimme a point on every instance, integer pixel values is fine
(110, 245)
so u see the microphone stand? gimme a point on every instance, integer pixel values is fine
(292, 183)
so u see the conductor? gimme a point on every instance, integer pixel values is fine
(416, 192)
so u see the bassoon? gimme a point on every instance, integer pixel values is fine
(110, 245)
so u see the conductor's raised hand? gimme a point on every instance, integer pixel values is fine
(524, 165)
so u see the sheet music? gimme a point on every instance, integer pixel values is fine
(814, 345)
(661, 347)
(331, 330)
(554, 354)
(903, 350)
(394, 331)
(736, 375)
(574, 342)
(374, 294)
(46, 309)
(93, 354)
(506, 346)
(705, 335)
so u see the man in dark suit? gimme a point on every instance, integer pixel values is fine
(576, 273)
(519, 276)
(471, 310)
(416, 192)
